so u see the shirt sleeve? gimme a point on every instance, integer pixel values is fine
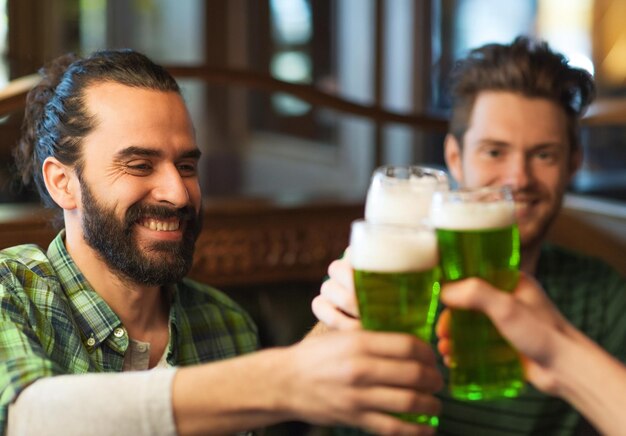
(23, 359)
(137, 403)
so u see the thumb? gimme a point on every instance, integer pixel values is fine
(472, 293)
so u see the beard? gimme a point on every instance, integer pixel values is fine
(159, 263)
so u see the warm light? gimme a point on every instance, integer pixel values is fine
(566, 25)
(580, 60)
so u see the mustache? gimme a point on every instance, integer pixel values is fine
(138, 211)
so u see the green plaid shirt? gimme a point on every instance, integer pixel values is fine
(52, 322)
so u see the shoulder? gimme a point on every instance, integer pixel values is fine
(576, 279)
(558, 261)
(22, 263)
(215, 324)
(195, 296)
(193, 292)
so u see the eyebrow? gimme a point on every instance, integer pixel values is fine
(499, 143)
(136, 151)
(494, 142)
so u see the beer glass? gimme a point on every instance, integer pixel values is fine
(478, 237)
(402, 194)
(396, 277)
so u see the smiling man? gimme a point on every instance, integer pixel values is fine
(109, 142)
(515, 119)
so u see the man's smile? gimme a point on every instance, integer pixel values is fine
(160, 224)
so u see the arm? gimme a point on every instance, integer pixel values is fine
(349, 378)
(558, 359)
(137, 403)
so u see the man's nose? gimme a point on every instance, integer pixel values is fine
(170, 188)
(519, 173)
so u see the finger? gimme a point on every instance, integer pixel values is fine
(394, 345)
(401, 374)
(442, 328)
(470, 293)
(385, 424)
(346, 254)
(340, 270)
(333, 318)
(445, 348)
(530, 292)
(340, 295)
(396, 400)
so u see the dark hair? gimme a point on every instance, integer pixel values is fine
(527, 67)
(56, 120)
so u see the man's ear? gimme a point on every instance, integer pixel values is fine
(452, 154)
(61, 183)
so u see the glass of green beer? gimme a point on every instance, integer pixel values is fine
(396, 277)
(402, 194)
(478, 237)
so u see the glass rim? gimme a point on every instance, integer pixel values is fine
(423, 224)
(506, 192)
(406, 171)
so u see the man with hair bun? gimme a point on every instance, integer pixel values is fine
(108, 142)
(515, 118)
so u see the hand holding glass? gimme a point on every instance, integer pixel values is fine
(478, 237)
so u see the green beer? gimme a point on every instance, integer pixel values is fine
(479, 239)
(398, 302)
(396, 276)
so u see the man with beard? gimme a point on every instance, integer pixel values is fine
(108, 140)
(515, 119)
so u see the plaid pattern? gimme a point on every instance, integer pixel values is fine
(592, 296)
(52, 322)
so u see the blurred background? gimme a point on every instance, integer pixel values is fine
(393, 55)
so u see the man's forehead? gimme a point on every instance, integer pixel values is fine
(504, 115)
(125, 116)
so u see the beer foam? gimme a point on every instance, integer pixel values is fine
(388, 249)
(472, 215)
(404, 204)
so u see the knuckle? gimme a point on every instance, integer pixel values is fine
(327, 287)
(354, 372)
(507, 311)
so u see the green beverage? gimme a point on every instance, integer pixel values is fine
(398, 302)
(479, 239)
(396, 276)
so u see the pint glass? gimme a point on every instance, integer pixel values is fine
(402, 194)
(396, 277)
(478, 237)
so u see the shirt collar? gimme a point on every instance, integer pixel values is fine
(93, 316)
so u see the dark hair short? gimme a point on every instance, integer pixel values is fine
(527, 67)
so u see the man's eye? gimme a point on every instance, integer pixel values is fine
(547, 156)
(138, 168)
(187, 169)
(494, 152)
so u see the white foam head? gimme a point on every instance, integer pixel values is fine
(472, 215)
(402, 201)
(384, 248)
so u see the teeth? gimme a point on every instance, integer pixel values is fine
(161, 226)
